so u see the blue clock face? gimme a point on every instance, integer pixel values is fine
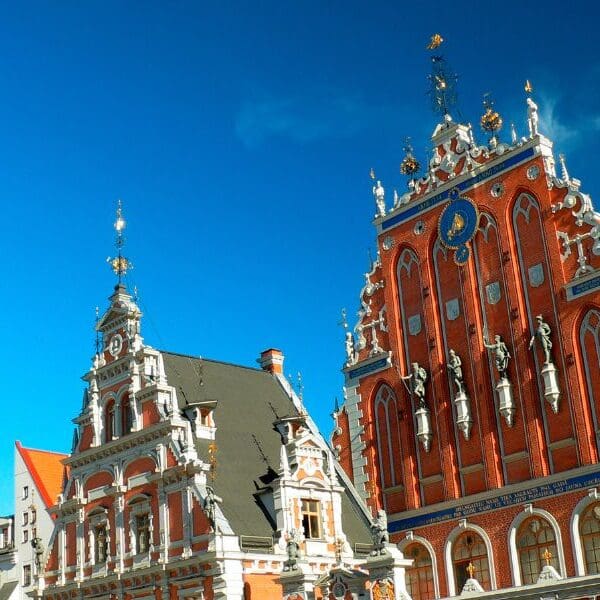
(458, 223)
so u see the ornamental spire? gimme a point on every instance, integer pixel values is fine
(491, 121)
(442, 80)
(120, 264)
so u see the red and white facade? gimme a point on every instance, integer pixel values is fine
(509, 471)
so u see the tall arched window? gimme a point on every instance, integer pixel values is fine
(419, 577)
(469, 548)
(534, 537)
(109, 421)
(589, 533)
(589, 339)
(126, 415)
(388, 442)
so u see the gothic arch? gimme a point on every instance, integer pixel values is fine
(385, 412)
(590, 329)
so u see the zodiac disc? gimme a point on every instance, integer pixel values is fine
(458, 224)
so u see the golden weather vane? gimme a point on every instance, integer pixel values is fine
(435, 41)
(528, 86)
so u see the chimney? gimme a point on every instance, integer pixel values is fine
(271, 360)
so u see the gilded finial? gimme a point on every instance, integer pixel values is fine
(528, 87)
(120, 265)
(471, 570)
(435, 41)
(409, 165)
(547, 556)
(491, 120)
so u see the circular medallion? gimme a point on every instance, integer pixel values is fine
(458, 223)
(497, 190)
(419, 228)
(533, 172)
(461, 256)
(116, 344)
(339, 590)
(388, 242)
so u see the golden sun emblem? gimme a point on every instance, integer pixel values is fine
(435, 42)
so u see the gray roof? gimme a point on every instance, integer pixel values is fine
(7, 589)
(248, 446)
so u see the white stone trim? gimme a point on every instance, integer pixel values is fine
(461, 528)
(411, 538)
(580, 507)
(527, 512)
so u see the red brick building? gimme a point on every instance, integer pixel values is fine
(484, 458)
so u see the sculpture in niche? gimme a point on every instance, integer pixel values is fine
(379, 533)
(455, 367)
(464, 419)
(549, 371)
(422, 414)
(503, 387)
(293, 540)
(210, 506)
(542, 333)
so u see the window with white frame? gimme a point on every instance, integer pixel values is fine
(420, 583)
(26, 575)
(589, 534)
(311, 519)
(141, 528)
(470, 552)
(25, 493)
(536, 544)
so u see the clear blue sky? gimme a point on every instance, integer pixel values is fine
(240, 137)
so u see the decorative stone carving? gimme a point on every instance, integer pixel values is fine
(379, 534)
(542, 333)
(293, 541)
(418, 377)
(506, 404)
(350, 350)
(464, 419)
(379, 195)
(532, 117)
(549, 372)
(209, 504)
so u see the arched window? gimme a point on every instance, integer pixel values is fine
(535, 538)
(126, 415)
(589, 533)
(419, 578)
(388, 449)
(469, 548)
(109, 421)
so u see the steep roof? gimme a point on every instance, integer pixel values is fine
(47, 471)
(248, 446)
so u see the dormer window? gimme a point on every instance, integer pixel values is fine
(311, 519)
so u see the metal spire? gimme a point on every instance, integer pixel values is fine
(442, 81)
(120, 264)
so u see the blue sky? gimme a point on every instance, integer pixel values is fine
(239, 136)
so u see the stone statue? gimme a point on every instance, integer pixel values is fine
(419, 377)
(501, 354)
(38, 549)
(379, 533)
(293, 550)
(379, 194)
(350, 351)
(455, 367)
(210, 506)
(101, 545)
(532, 117)
(543, 333)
